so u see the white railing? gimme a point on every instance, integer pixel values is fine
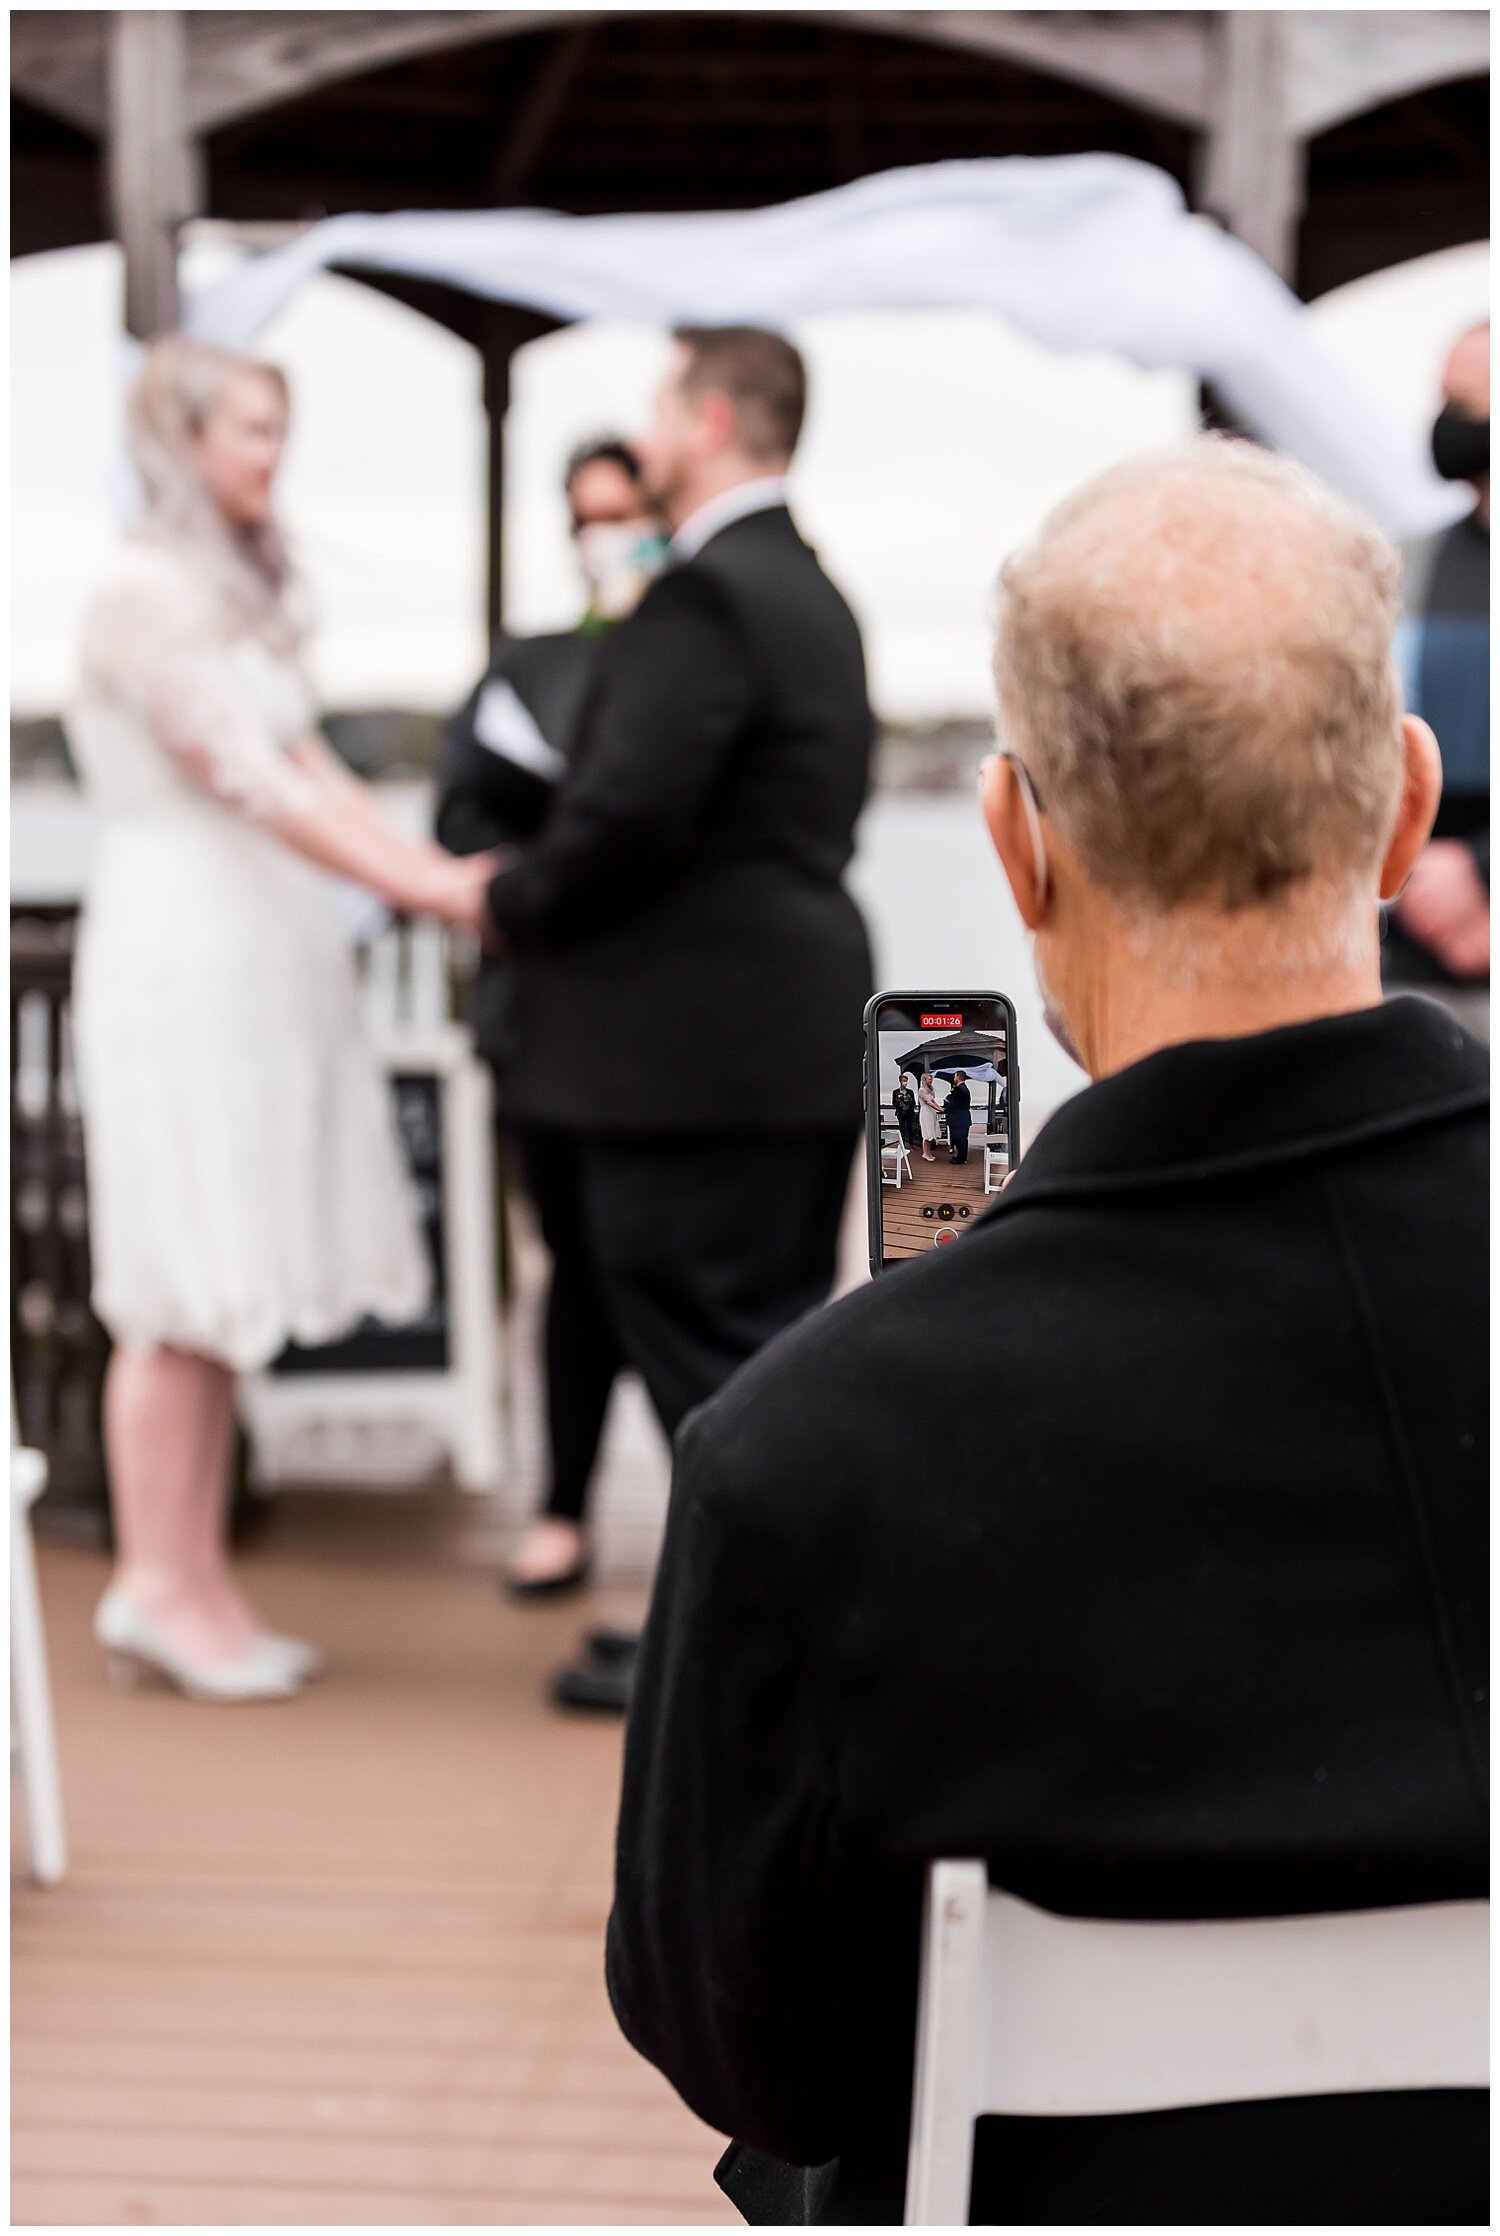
(372, 1425)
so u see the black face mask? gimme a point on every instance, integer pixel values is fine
(1460, 445)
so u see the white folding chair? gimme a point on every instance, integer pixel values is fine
(895, 1158)
(34, 1737)
(1025, 2012)
(996, 1164)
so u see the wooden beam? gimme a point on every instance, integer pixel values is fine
(245, 62)
(153, 182)
(1254, 163)
(58, 61)
(242, 61)
(1159, 61)
(540, 110)
(1345, 63)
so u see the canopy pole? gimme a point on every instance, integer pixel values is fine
(153, 159)
(1254, 160)
(496, 405)
(506, 328)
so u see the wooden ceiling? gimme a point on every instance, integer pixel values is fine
(699, 110)
(1399, 181)
(689, 111)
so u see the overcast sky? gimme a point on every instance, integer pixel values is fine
(935, 441)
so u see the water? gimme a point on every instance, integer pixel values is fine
(938, 907)
(941, 916)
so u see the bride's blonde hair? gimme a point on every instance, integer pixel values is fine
(172, 399)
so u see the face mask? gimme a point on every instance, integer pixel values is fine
(1460, 445)
(618, 561)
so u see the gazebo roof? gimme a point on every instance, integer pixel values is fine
(298, 114)
(1332, 143)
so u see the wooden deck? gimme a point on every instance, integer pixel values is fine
(915, 1213)
(338, 1960)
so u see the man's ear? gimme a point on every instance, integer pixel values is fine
(1421, 788)
(1010, 834)
(719, 419)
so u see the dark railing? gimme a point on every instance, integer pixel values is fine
(58, 1348)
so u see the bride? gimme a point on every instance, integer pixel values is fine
(245, 1183)
(928, 1113)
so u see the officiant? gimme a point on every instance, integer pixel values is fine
(501, 757)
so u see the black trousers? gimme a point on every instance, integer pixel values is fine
(706, 1247)
(582, 1355)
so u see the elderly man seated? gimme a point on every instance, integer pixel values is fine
(1137, 1544)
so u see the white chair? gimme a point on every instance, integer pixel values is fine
(34, 1738)
(1025, 2012)
(895, 1158)
(996, 1163)
(374, 1423)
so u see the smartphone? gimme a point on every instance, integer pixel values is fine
(942, 1116)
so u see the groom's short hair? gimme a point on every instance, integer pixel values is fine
(763, 376)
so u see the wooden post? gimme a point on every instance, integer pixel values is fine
(153, 159)
(497, 356)
(1254, 173)
(506, 328)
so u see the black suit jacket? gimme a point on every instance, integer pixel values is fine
(486, 799)
(682, 919)
(1136, 1544)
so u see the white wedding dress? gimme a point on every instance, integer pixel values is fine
(245, 1183)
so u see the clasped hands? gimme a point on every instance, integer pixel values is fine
(455, 887)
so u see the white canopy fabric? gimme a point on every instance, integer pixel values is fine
(1083, 252)
(981, 1075)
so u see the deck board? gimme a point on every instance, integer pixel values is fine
(339, 1960)
(926, 1189)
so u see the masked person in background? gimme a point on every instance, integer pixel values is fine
(501, 757)
(1438, 934)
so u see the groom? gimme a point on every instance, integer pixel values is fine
(958, 1110)
(683, 914)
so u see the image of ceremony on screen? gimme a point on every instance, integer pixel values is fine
(944, 1130)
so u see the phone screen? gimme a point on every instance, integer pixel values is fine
(942, 1116)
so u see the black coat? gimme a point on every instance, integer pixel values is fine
(1136, 1544)
(487, 798)
(682, 918)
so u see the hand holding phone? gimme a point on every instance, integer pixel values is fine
(942, 1116)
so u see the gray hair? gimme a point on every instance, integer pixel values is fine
(173, 397)
(1194, 661)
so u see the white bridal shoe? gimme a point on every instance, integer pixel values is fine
(304, 1660)
(271, 1669)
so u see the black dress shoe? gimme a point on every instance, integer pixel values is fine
(600, 1688)
(611, 1647)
